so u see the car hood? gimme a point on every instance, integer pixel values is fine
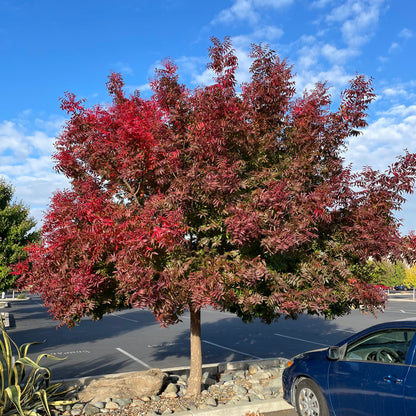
(312, 355)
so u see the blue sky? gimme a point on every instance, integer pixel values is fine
(48, 47)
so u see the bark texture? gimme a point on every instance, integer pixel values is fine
(195, 376)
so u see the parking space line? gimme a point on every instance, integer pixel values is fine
(401, 311)
(230, 349)
(133, 358)
(122, 317)
(300, 339)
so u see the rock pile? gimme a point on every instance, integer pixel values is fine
(226, 387)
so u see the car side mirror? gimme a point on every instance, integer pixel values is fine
(334, 353)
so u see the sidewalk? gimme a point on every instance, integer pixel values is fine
(407, 296)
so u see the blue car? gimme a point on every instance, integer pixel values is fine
(372, 373)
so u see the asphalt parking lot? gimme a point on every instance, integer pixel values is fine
(132, 340)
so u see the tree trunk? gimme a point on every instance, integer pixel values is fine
(195, 375)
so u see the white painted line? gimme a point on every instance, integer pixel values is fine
(400, 311)
(164, 344)
(126, 319)
(300, 339)
(133, 358)
(230, 349)
(57, 354)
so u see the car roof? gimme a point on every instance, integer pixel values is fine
(400, 323)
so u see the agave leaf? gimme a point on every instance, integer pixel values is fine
(53, 390)
(28, 361)
(4, 373)
(44, 400)
(8, 342)
(18, 373)
(23, 349)
(63, 402)
(49, 357)
(20, 395)
(14, 394)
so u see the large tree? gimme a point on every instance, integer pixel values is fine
(16, 232)
(237, 198)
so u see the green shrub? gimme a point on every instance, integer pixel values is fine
(21, 394)
(21, 296)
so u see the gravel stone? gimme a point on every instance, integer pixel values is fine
(89, 410)
(112, 406)
(122, 401)
(239, 389)
(211, 402)
(276, 382)
(100, 405)
(171, 388)
(256, 382)
(226, 377)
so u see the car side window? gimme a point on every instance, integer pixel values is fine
(387, 346)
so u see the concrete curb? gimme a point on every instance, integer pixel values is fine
(261, 406)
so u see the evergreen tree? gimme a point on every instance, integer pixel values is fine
(16, 231)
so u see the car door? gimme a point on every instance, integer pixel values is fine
(410, 383)
(370, 378)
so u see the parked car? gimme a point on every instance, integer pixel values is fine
(382, 287)
(372, 373)
(401, 287)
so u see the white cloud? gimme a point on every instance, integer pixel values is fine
(123, 68)
(273, 4)
(308, 57)
(395, 92)
(336, 77)
(143, 89)
(337, 56)
(393, 47)
(240, 10)
(12, 140)
(358, 17)
(381, 143)
(265, 34)
(51, 125)
(248, 10)
(400, 111)
(321, 3)
(399, 92)
(406, 33)
(385, 139)
(26, 163)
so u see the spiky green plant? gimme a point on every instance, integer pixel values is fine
(22, 394)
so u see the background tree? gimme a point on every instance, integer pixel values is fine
(16, 232)
(235, 198)
(410, 280)
(398, 274)
(386, 272)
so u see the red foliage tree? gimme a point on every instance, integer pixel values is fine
(236, 198)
